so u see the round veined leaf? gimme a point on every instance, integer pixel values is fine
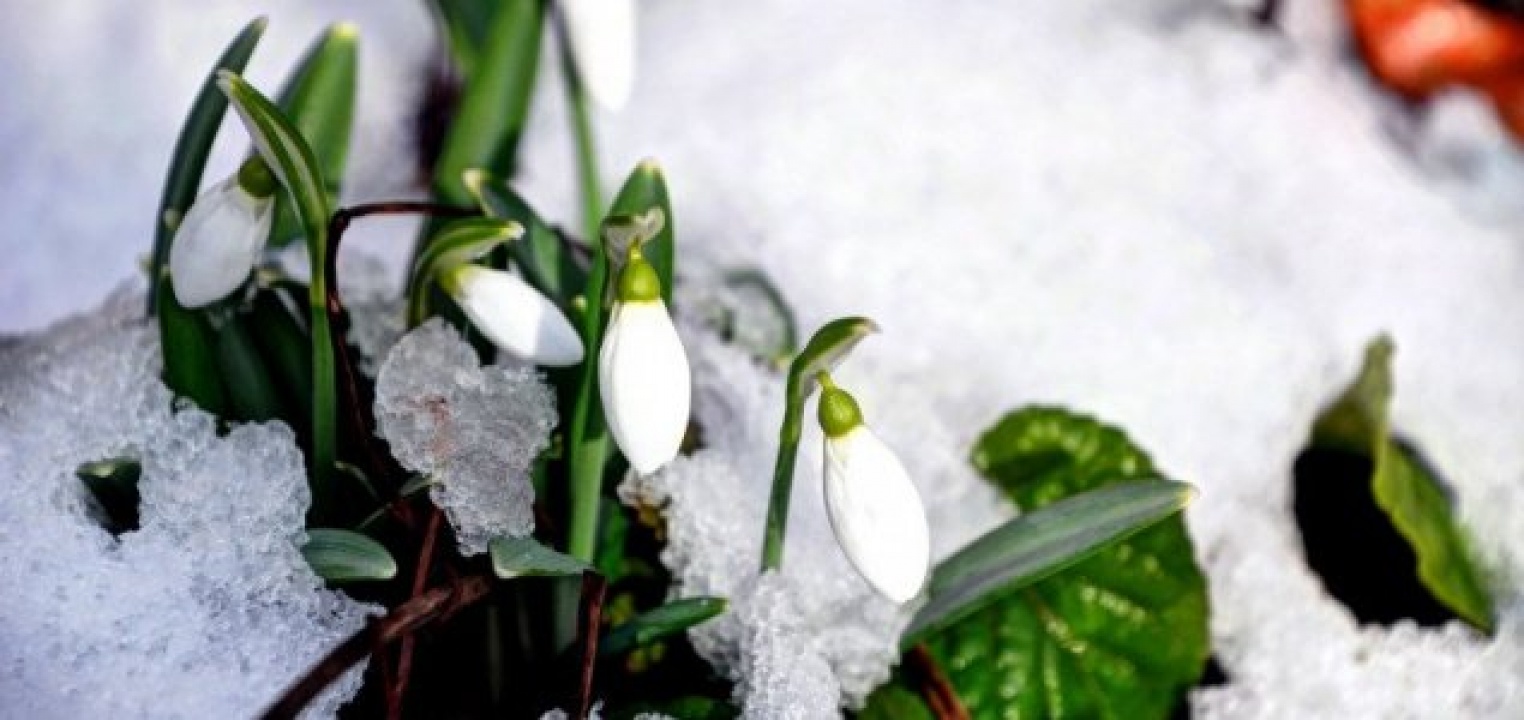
(1121, 634)
(346, 556)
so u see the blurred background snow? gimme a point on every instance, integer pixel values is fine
(1155, 211)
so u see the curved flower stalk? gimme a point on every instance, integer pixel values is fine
(219, 241)
(643, 375)
(875, 509)
(513, 315)
(600, 35)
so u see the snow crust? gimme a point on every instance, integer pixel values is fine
(207, 610)
(475, 431)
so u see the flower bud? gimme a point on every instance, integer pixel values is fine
(513, 315)
(643, 375)
(218, 242)
(874, 508)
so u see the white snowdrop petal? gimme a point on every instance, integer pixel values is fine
(218, 243)
(602, 39)
(877, 514)
(515, 316)
(645, 384)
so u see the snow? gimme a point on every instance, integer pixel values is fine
(476, 431)
(1156, 212)
(207, 610)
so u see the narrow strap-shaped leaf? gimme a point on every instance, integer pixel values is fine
(827, 347)
(252, 394)
(670, 619)
(545, 259)
(346, 556)
(319, 99)
(771, 332)
(189, 346)
(1038, 544)
(293, 162)
(514, 557)
(462, 241)
(464, 24)
(645, 189)
(191, 149)
(495, 102)
(284, 345)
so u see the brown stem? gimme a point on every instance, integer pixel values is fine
(398, 689)
(437, 605)
(935, 688)
(594, 587)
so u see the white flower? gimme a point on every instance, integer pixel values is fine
(601, 35)
(219, 240)
(643, 374)
(513, 315)
(874, 508)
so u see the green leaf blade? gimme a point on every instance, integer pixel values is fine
(319, 100)
(188, 160)
(189, 347)
(515, 557)
(1406, 491)
(1037, 544)
(346, 556)
(1122, 633)
(669, 619)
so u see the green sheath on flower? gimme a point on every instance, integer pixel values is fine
(874, 508)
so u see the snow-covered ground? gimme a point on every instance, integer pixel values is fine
(1153, 211)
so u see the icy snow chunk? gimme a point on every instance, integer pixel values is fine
(476, 430)
(207, 610)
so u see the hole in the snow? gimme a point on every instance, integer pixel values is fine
(1212, 676)
(113, 485)
(1352, 545)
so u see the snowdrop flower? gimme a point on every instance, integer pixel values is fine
(220, 238)
(643, 372)
(513, 315)
(601, 37)
(874, 508)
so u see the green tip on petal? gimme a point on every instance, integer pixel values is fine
(838, 412)
(638, 281)
(255, 178)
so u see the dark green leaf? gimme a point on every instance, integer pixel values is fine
(670, 619)
(763, 323)
(1038, 544)
(611, 560)
(495, 102)
(285, 347)
(114, 485)
(1121, 634)
(545, 259)
(189, 346)
(460, 242)
(191, 149)
(347, 556)
(464, 24)
(646, 189)
(319, 99)
(514, 557)
(1405, 489)
(252, 394)
(894, 701)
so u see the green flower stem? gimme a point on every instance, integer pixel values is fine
(783, 478)
(587, 436)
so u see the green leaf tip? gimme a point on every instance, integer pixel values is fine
(345, 30)
(1405, 489)
(1130, 610)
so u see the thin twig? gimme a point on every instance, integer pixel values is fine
(935, 688)
(420, 582)
(594, 587)
(437, 605)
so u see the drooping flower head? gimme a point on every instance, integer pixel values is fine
(221, 236)
(643, 375)
(513, 315)
(874, 508)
